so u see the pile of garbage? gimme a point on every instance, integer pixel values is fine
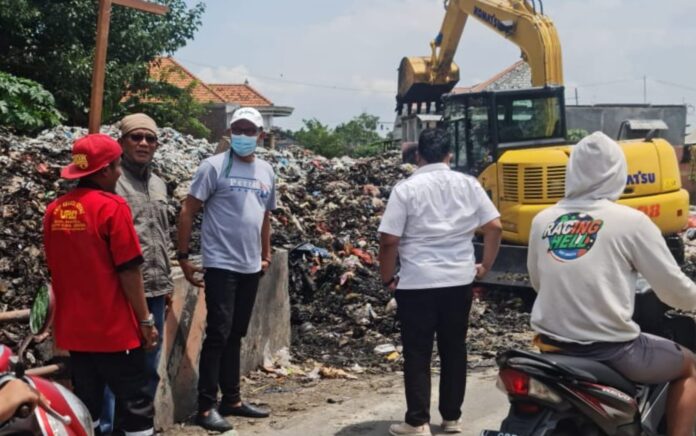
(327, 218)
(29, 181)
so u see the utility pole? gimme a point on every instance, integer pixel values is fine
(576, 97)
(103, 20)
(645, 90)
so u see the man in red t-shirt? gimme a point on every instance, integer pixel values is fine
(94, 258)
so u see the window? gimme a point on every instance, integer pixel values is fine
(525, 119)
(469, 126)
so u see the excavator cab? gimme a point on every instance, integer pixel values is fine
(485, 124)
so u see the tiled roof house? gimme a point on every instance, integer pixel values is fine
(241, 93)
(221, 99)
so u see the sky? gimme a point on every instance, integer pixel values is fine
(332, 60)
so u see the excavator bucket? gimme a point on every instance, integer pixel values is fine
(416, 87)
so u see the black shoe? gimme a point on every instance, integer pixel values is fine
(245, 409)
(213, 421)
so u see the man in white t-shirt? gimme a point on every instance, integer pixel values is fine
(585, 253)
(429, 223)
(238, 191)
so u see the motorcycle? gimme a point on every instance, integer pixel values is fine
(66, 415)
(555, 395)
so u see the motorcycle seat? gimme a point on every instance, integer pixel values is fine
(582, 369)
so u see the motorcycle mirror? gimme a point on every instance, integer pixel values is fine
(40, 319)
(42, 310)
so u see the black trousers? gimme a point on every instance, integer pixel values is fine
(229, 299)
(424, 313)
(124, 373)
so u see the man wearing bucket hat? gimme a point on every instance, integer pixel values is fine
(146, 195)
(238, 191)
(94, 258)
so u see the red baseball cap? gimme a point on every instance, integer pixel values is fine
(90, 154)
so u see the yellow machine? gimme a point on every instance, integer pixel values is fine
(515, 141)
(426, 79)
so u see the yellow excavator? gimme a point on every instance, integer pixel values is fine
(515, 142)
(426, 79)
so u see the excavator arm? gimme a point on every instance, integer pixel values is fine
(426, 79)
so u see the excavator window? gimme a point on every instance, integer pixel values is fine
(484, 124)
(527, 119)
(470, 127)
(478, 140)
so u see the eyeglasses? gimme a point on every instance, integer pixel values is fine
(248, 131)
(138, 137)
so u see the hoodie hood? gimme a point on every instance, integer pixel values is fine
(596, 169)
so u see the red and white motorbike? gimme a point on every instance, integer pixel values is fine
(66, 415)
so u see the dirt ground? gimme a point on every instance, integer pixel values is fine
(365, 407)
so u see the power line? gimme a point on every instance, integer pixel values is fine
(628, 80)
(297, 82)
(675, 85)
(362, 90)
(644, 79)
(610, 82)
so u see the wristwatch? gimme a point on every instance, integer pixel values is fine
(182, 256)
(149, 321)
(267, 259)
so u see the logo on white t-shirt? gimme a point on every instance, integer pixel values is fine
(572, 235)
(249, 185)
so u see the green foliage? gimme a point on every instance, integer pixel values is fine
(575, 135)
(170, 107)
(25, 106)
(284, 134)
(359, 131)
(367, 150)
(357, 137)
(319, 138)
(53, 42)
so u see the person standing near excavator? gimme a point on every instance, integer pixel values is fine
(429, 223)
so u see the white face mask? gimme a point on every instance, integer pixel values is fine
(243, 145)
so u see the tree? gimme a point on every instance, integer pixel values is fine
(170, 106)
(361, 130)
(575, 135)
(319, 138)
(284, 134)
(25, 106)
(52, 42)
(357, 137)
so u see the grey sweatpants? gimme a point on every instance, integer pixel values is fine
(648, 359)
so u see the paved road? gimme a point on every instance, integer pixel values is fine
(371, 412)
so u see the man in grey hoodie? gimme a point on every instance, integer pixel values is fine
(585, 254)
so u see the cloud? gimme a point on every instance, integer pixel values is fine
(241, 74)
(237, 74)
(358, 44)
(374, 85)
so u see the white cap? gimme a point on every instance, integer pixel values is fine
(249, 114)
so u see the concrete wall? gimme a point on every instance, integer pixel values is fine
(269, 331)
(608, 118)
